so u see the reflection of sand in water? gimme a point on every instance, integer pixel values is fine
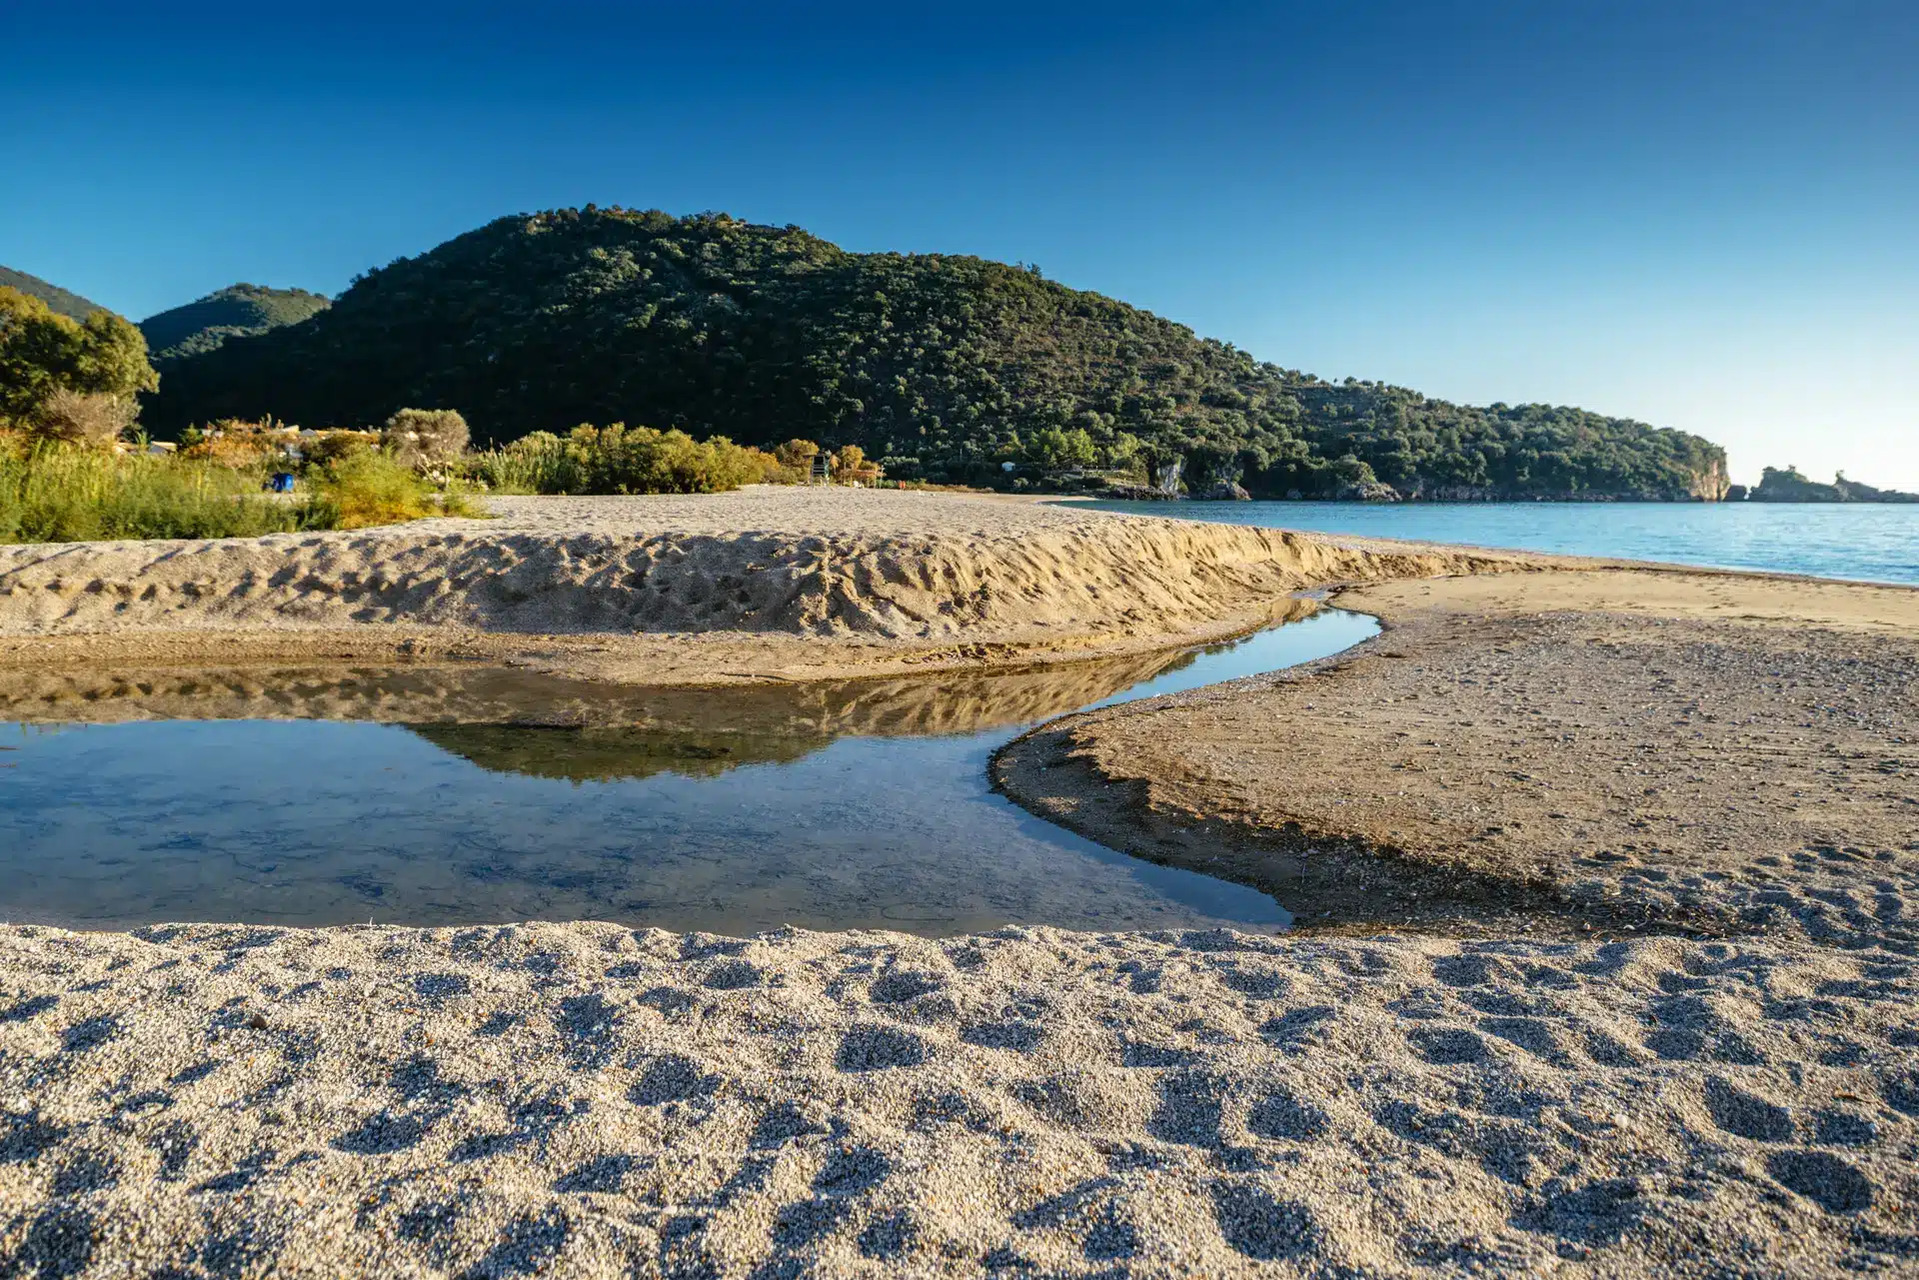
(612, 752)
(552, 726)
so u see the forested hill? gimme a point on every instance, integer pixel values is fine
(58, 300)
(237, 311)
(944, 366)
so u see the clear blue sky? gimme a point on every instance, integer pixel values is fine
(1702, 215)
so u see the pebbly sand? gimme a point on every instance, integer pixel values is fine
(1707, 753)
(584, 1100)
(1652, 1012)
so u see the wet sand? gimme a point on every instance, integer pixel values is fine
(1705, 753)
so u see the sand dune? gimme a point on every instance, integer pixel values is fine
(821, 577)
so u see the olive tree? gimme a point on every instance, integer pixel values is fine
(425, 437)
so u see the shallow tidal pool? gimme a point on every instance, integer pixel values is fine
(450, 796)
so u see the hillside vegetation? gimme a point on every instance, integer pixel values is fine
(60, 301)
(237, 311)
(940, 367)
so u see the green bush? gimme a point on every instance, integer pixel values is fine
(330, 447)
(64, 493)
(529, 465)
(52, 493)
(366, 487)
(619, 459)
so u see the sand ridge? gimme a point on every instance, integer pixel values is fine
(623, 588)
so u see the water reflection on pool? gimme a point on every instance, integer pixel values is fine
(442, 796)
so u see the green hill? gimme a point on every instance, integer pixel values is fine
(944, 366)
(61, 302)
(237, 311)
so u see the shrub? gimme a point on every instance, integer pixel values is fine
(95, 421)
(235, 453)
(619, 459)
(239, 445)
(423, 438)
(63, 493)
(330, 447)
(368, 488)
(796, 457)
(851, 467)
(531, 464)
(770, 470)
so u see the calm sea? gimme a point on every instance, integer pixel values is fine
(1866, 542)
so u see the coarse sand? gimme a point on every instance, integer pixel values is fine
(1708, 752)
(584, 1100)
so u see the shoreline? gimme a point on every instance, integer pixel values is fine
(1476, 1084)
(1488, 758)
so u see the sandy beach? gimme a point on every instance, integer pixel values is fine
(1705, 753)
(585, 1100)
(764, 583)
(1606, 964)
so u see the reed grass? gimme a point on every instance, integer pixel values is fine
(54, 493)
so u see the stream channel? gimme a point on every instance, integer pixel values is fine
(439, 796)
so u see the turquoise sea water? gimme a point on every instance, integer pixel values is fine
(1862, 541)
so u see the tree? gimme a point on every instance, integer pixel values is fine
(1055, 450)
(722, 327)
(847, 463)
(73, 417)
(42, 353)
(796, 455)
(1349, 470)
(425, 437)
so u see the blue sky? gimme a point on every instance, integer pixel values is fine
(1701, 215)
